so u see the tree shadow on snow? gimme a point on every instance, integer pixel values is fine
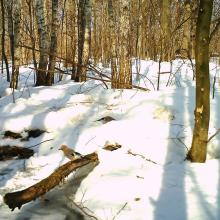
(171, 202)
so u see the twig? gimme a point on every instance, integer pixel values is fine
(119, 211)
(81, 208)
(179, 139)
(90, 140)
(218, 131)
(40, 143)
(143, 157)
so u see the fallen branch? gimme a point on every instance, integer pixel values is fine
(40, 143)
(143, 157)
(19, 198)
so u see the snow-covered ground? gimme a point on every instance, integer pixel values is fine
(156, 126)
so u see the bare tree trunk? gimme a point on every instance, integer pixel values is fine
(137, 55)
(125, 72)
(74, 40)
(32, 35)
(84, 38)
(16, 39)
(165, 30)
(113, 43)
(4, 57)
(122, 78)
(10, 29)
(194, 14)
(53, 43)
(186, 45)
(43, 41)
(198, 149)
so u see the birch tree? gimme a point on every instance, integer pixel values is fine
(122, 77)
(43, 43)
(84, 38)
(53, 43)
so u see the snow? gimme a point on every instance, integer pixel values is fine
(156, 126)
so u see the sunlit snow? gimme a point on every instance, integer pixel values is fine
(157, 126)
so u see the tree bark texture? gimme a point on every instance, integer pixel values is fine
(4, 57)
(43, 41)
(16, 40)
(123, 78)
(53, 43)
(84, 38)
(165, 30)
(198, 149)
(187, 45)
(32, 27)
(112, 41)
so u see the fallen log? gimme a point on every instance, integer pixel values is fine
(19, 198)
(10, 152)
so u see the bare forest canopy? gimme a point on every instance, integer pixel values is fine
(111, 32)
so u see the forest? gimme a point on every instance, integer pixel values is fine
(109, 109)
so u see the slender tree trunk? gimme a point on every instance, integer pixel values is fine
(165, 30)
(122, 78)
(198, 149)
(137, 55)
(187, 45)
(64, 14)
(32, 35)
(113, 44)
(16, 40)
(43, 41)
(84, 38)
(74, 40)
(53, 43)
(194, 14)
(125, 72)
(9, 5)
(4, 57)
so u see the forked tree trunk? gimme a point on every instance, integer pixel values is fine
(198, 149)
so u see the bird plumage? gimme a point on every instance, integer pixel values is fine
(70, 153)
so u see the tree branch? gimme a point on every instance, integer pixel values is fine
(19, 198)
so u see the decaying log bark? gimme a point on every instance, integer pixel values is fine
(19, 198)
(9, 152)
